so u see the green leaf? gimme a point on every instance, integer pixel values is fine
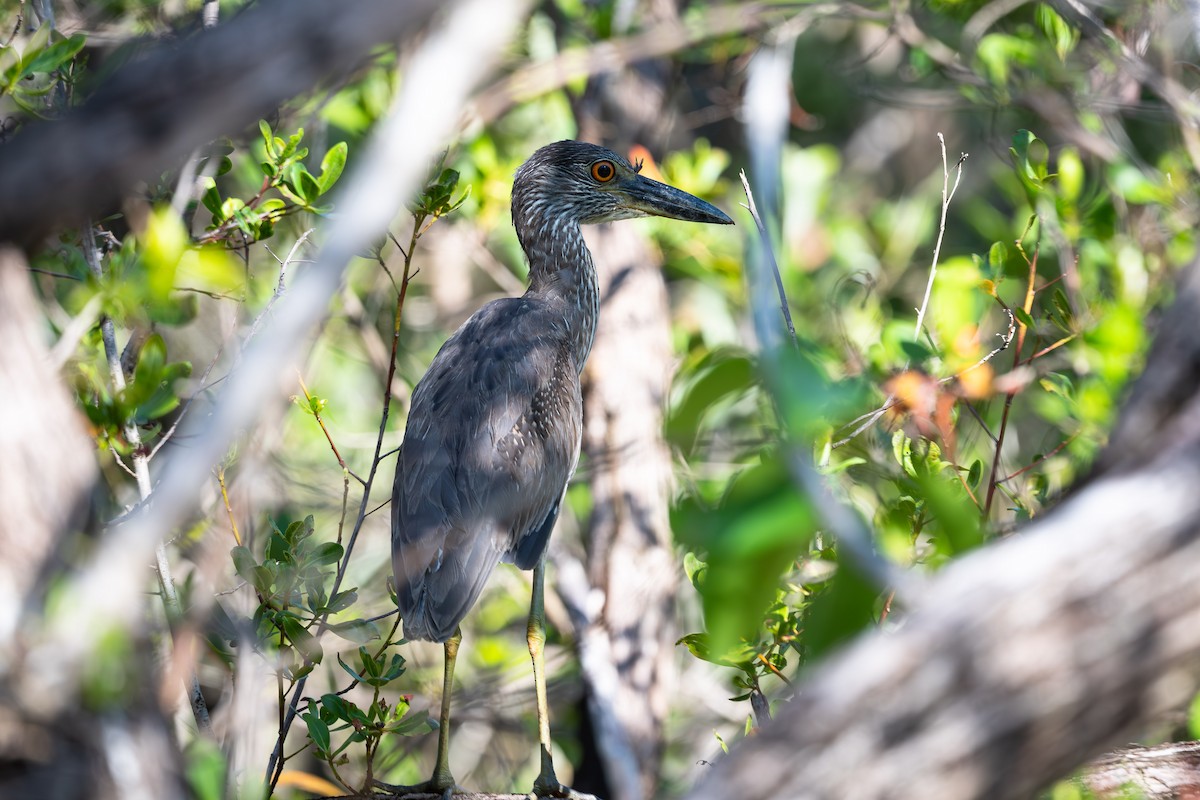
(331, 166)
(263, 578)
(1023, 317)
(318, 731)
(351, 671)
(306, 644)
(395, 669)
(412, 724)
(335, 707)
(915, 351)
(975, 473)
(721, 374)
(996, 260)
(1057, 30)
(699, 645)
(341, 601)
(359, 631)
(212, 201)
(1031, 156)
(306, 185)
(327, 553)
(243, 562)
(57, 54)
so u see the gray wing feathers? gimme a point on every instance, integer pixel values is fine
(480, 474)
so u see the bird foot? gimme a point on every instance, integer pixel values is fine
(544, 787)
(443, 786)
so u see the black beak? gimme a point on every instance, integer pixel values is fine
(651, 197)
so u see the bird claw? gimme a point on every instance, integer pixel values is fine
(433, 786)
(552, 788)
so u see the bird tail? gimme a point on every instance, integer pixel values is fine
(436, 589)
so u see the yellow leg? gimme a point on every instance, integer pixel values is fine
(547, 784)
(442, 779)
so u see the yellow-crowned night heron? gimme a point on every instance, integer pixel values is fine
(494, 428)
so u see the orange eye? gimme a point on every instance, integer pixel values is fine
(604, 171)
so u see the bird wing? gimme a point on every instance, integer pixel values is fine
(493, 435)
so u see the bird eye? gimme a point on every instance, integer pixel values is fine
(604, 171)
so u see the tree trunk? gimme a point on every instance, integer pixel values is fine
(627, 641)
(627, 644)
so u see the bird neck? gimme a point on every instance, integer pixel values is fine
(562, 274)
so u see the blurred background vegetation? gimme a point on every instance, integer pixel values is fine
(1075, 208)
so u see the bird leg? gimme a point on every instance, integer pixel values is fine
(442, 781)
(546, 784)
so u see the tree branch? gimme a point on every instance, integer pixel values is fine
(177, 96)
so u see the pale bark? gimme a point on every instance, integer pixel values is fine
(47, 461)
(1157, 773)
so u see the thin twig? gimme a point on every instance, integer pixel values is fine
(279, 285)
(947, 196)
(769, 255)
(1008, 397)
(346, 473)
(275, 766)
(870, 418)
(141, 470)
(1041, 460)
(237, 537)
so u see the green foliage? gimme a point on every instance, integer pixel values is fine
(205, 769)
(29, 77)
(333, 718)
(150, 394)
(281, 163)
(292, 585)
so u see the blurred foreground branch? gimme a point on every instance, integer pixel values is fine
(1026, 658)
(179, 95)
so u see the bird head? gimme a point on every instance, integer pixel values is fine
(588, 184)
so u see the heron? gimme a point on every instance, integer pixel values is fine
(494, 426)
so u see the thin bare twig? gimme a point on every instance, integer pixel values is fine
(279, 285)
(947, 196)
(865, 421)
(1041, 460)
(993, 481)
(141, 471)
